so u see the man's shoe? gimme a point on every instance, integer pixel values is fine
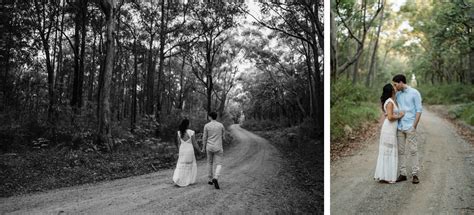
(415, 180)
(216, 185)
(401, 178)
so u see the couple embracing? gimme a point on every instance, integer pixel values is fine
(402, 108)
(212, 139)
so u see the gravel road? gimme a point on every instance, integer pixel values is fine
(446, 177)
(252, 181)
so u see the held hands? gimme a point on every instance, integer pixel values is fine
(401, 114)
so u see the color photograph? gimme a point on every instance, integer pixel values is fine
(402, 107)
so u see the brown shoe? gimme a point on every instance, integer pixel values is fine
(401, 178)
(415, 180)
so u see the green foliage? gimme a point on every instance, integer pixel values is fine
(445, 40)
(468, 114)
(446, 94)
(464, 112)
(351, 106)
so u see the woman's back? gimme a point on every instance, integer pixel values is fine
(186, 168)
(187, 137)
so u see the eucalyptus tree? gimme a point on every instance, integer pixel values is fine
(44, 19)
(303, 21)
(444, 34)
(212, 22)
(352, 25)
(104, 136)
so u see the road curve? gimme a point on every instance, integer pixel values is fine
(446, 177)
(252, 181)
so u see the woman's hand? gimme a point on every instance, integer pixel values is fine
(401, 114)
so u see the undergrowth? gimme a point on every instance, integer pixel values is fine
(351, 108)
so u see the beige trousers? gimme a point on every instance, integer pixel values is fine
(407, 139)
(214, 157)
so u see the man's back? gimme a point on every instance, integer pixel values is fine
(213, 135)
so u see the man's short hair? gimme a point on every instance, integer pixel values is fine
(398, 78)
(213, 115)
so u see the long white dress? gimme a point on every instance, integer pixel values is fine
(388, 149)
(186, 167)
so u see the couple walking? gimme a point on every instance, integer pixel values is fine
(213, 136)
(402, 108)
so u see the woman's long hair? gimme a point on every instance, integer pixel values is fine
(183, 127)
(386, 93)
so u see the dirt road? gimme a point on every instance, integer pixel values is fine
(446, 177)
(252, 181)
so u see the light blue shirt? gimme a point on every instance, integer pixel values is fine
(409, 102)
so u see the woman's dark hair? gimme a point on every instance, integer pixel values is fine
(183, 127)
(398, 78)
(387, 93)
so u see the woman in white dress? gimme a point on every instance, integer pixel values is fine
(186, 167)
(386, 170)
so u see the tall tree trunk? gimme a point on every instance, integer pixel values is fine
(134, 86)
(319, 91)
(83, 51)
(92, 71)
(104, 130)
(101, 72)
(181, 85)
(355, 68)
(163, 30)
(310, 82)
(374, 52)
(79, 52)
(150, 77)
(471, 64)
(209, 89)
(333, 42)
(44, 32)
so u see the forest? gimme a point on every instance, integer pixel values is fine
(430, 42)
(94, 82)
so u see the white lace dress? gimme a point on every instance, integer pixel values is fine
(186, 168)
(388, 149)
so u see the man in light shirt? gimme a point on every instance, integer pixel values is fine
(409, 102)
(212, 138)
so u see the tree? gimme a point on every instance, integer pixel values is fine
(211, 22)
(79, 51)
(45, 15)
(302, 20)
(376, 45)
(108, 7)
(365, 20)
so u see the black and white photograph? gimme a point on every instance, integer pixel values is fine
(162, 107)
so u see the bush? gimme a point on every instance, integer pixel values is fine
(446, 94)
(464, 112)
(351, 107)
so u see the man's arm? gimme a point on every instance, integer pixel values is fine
(204, 139)
(418, 108)
(417, 119)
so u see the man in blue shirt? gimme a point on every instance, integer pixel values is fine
(409, 102)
